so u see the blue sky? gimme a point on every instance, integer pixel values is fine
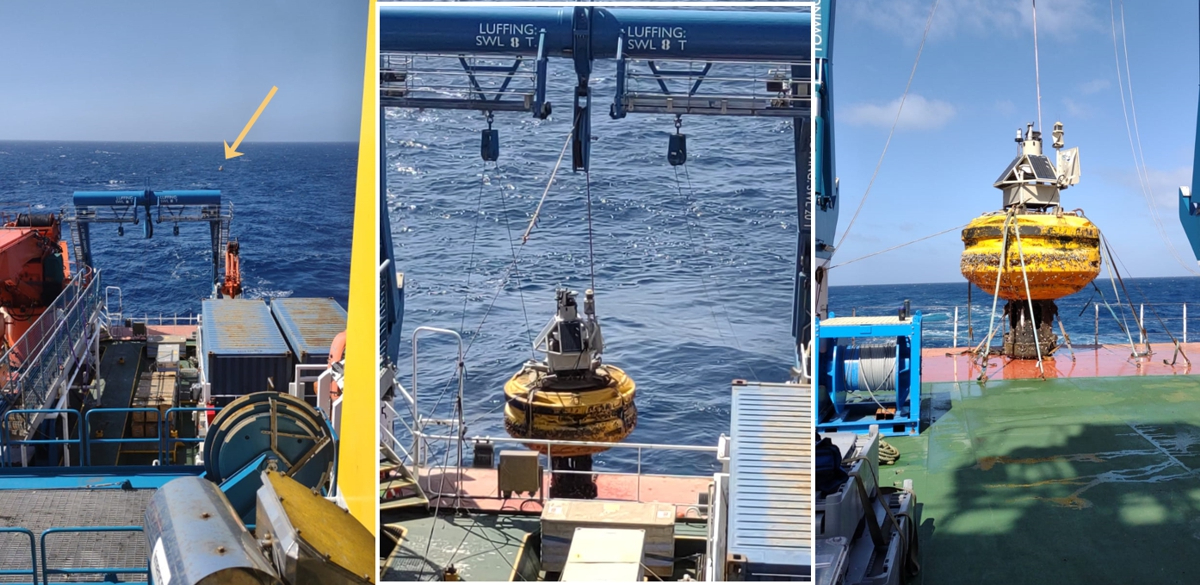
(973, 88)
(181, 71)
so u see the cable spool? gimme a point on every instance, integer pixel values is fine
(871, 367)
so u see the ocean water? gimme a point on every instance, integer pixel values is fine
(693, 282)
(1158, 301)
(293, 214)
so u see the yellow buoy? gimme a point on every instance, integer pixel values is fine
(602, 413)
(1061, 253)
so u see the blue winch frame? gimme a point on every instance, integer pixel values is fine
(149, 207)
(584, 35)
(834, 412)
(43, 569)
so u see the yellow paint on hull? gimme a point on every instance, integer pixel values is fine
(1062, 255)
(607, 414)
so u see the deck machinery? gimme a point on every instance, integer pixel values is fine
(114, 462)
(668, 62)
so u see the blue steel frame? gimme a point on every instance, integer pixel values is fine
(47, 571)
(84, 439)
(831, 378)
(584, 34)
(33, 563)
(172, 206)
(7, 442)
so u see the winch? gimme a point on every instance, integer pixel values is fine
(570, 395)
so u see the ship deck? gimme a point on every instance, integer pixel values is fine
(41, 509)
(1092, 475)
(494, 546)
(488, 538)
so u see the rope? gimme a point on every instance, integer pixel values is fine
(888, 454)
(1029, 297)
(462, 323)
(591, 240)
(516, 273)
(986, 344)
(720, 299)
(692, 239)
(903, 97)
(537, 211)
(898, 246)
(1037, 79)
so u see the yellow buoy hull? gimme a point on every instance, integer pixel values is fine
(606, 414)
(1062, 255)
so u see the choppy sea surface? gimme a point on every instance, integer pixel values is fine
(293, 208)
(693, 271)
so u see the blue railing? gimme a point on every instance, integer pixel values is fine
(7, 442)
(103, 572)
(33, 564)
(162, 440)
(157, 438)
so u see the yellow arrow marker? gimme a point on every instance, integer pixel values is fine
(231, 151)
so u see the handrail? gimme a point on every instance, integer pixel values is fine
(33, 564)
(47, 570)
(551, 443)
(7, 442)
(89, 441)
(165, 430)
(84, 441)
(67, 317)
(461, 366)
(950, 329)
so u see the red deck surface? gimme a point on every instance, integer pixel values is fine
(953, 365)
(480, 492)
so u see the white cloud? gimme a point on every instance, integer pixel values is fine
(1163, 185)
(906, 18)
(1095, 86)
(1076, 109)
(1006, 107)
(918, 113)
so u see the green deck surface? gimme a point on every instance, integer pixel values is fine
(1061, 481)
(120, 381)
(483, 547)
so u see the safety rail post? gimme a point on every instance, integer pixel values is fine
(460, 367)
(1097, 306)
(7, 443)
(33, 564)
(1142, 335)
(164, 430)
(550, 444)
(89, 441)
(1185, 322)
(955, 327)
(47, 570)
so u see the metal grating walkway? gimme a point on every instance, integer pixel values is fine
(770, 477)
(38, 510)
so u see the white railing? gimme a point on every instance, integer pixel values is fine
(550, 444)
(948, 325)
